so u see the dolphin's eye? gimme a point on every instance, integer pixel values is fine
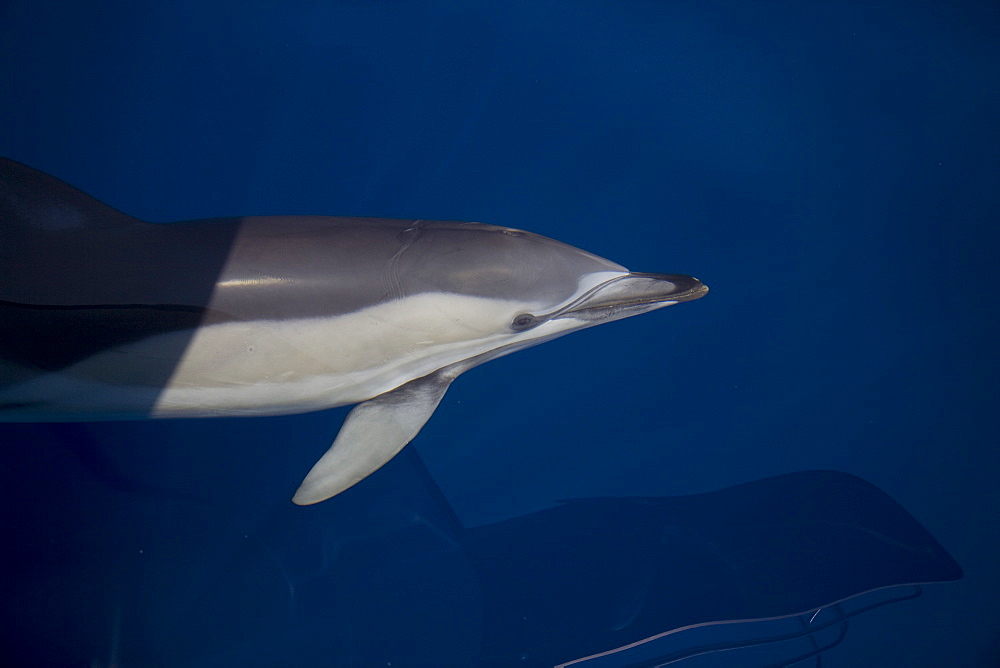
(523, 321)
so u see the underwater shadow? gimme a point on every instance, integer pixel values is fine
(109, 572)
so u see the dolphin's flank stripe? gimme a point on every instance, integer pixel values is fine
(89, 307)
(54, 336)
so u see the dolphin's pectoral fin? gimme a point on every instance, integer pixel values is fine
(372, 435)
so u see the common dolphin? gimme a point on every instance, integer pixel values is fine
(104, 316)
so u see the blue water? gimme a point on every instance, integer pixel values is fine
(830, 170)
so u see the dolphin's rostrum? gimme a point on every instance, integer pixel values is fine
(104, 316)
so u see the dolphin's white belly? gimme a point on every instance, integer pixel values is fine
(290, 366)
(270, 367)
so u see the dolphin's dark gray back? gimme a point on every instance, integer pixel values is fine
(78, 277)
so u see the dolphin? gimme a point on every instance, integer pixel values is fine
(104, 316)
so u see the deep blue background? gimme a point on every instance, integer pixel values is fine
(830, 170)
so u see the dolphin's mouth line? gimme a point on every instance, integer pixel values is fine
(689, 287)
(633, 290)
